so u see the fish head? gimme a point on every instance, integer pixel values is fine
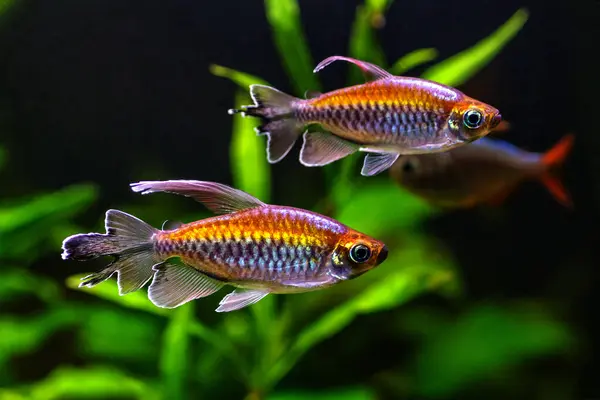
(421, 170)
(471, 119)
(356, 253)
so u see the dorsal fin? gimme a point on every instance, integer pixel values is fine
(219, 198)
(311, 94)
(170, 225)
(372, 70)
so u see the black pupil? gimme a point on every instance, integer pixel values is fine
(473, 118)
(361, 253)
(408, 167)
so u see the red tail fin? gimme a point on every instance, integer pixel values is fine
(554, 159)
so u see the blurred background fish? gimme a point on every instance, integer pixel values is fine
(485, 171)
(253, 246)
(388, 116)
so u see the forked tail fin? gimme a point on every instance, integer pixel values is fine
(276, 110)
(554, 159)
(128, 239)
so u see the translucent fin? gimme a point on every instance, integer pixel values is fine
(378, 162)
(370, 70)
(170, 225)
(219, 198)
(128, 239)
(311, 94)
(276, 109)
(323, 148)
(176, 284)
(240, 299)
(554, 159)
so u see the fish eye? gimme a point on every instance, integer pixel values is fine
(360, 253)
(473, 119)
(409, 165)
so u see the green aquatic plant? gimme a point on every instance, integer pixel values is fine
(214, 355)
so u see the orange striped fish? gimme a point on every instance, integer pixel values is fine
(255, 247)
(385, 117)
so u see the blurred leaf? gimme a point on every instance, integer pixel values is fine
(118, 335)
(24, 335)
(284, 17)
(459, 68)
(412, 60)
(390, 208)
(174, 352)
(15, 281)
(96, 382)
(354, 393)
(5, 5)
(418, 271)
(11, 395)
(26, 227)
(249, 165)
(243, 79)
(363, 40)
(138, 300)
(485, 340)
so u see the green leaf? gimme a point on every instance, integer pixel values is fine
(351, 393)
(412, 60)
(363, 40)
(97, 382)
(248, 157)
(16, 281)
(25, 335)
(417, 270)
(390, 208)
(243, 79)
(459, 68)
(175, 348)
(5, 5)
(103, 335)
(26, 228)
(138, 300)
(286, 25)
(487, 339)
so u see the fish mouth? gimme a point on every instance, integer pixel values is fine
(495, 121)
(382, 256)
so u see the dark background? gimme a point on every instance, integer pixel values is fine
(114, 92)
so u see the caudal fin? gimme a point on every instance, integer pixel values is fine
(554, 159)
(279, 123)
(128, 239)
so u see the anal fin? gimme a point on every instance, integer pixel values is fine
(321, 148)
(378, 162)
(176, 284)
(240, 299)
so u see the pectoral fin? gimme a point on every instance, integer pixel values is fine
(378, 162)
(240, 299)
(176, 284)
(321, 149)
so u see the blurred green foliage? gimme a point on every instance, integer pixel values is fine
(174, 353)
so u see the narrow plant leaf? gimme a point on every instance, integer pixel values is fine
(243, 79)
(289, 37)
(138, 300)
(91, 383)
(363, 43)
(412, 60)
(459, 68)
(248, 156)
(17, 281)
(175, 348)
(517, 333)
(416, 273)
(390, 208)
(350, 393)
